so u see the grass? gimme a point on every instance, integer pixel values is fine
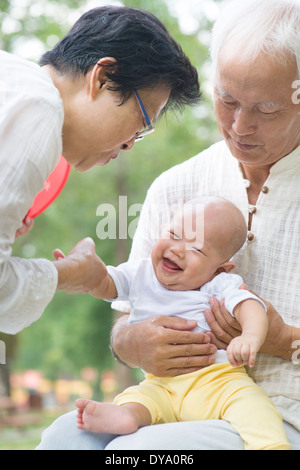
(26, 438)
(22, 444)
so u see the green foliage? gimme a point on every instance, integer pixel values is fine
(74, 331)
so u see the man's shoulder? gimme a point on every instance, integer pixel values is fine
(216, 151)
(186, 176)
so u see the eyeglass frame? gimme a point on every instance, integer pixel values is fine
(149, 129)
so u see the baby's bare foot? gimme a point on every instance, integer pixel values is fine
(104, 417)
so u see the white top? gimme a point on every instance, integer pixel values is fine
(136, 281)
(269, 264)
(31, 120)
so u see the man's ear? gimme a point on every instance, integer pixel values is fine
(226, 267)
(98, 75)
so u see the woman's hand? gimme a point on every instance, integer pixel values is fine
(25, 228)
(163, 346)
(81, 271)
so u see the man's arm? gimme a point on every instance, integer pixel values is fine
(163, 346)
(279, 340)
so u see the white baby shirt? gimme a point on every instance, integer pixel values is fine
(136, 281)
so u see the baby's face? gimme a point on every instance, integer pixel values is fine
(182, 258)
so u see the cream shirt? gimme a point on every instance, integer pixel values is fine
(269, 262)
(31, 120)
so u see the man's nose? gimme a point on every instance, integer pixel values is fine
(243, 124)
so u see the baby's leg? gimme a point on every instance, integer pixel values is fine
(251, 412)
(114, 419)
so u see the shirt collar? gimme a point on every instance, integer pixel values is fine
(290, 161)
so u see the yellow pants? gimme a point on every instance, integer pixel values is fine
(215, 392)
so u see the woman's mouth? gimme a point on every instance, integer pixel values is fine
(169, 266)
(111, 157)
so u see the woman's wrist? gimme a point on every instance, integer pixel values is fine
(62, 270)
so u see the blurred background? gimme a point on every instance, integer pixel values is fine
(66, 353)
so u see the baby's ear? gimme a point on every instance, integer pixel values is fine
(226, 267)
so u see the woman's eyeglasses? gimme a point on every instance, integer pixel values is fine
(149, 129)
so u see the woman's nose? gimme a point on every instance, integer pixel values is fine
(127, 146)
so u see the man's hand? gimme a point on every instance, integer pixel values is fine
(81, 271)
(163, 346)
(224, 328)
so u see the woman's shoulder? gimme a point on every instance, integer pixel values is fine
(24, 81)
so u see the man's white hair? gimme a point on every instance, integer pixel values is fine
(255, 26)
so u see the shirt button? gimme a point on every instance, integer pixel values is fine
(252, 209)
(265, 189)
(251, 237)
(247, 183)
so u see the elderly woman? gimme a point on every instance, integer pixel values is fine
(96, 93)
(256, 61)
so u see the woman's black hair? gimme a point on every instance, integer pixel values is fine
(145, 52)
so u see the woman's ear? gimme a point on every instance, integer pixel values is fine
(98, 76)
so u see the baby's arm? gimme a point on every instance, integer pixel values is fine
(254, 322)
(106, 288)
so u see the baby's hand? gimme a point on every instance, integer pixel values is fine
(242, 350)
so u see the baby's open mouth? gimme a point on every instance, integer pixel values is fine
(170, 266)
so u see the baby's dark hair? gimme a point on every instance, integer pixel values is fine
(145, 52)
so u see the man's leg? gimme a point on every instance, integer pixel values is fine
(193, 435)
(63, 434)
(190, 435)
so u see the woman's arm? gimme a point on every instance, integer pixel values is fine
(82, 271)
(30, 149)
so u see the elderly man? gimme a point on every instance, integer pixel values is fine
(256, 60)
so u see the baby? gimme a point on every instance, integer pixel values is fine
(190, 263)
